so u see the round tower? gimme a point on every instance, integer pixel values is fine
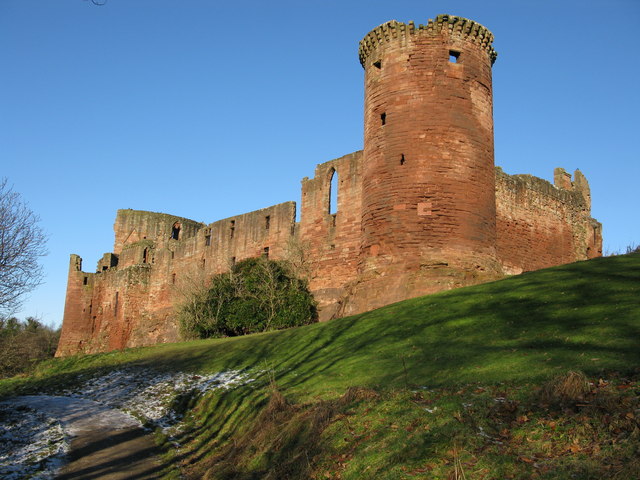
(428, 173)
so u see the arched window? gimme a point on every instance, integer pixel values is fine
(175, 231)
(333, 192)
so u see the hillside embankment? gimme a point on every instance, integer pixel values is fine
(534, 376)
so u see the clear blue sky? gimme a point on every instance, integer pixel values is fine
(207, 109)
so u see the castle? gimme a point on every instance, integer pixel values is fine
(421, 209)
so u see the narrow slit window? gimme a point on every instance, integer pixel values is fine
(333, 192)
(207, 240)
(204, 262)
(378, 64)
(232, 228)
(173, 278)
(145, 255)
(233, 261)
(402, 159)
(383, 118)
(85, 280)
(173, 254)
(267, 222)
(265, 252)
(115, 309)
(454, 57)
(175, 231)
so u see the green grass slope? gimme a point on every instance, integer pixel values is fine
(486, 341)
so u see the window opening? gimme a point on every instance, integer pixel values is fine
(265, 252)
(333, 192)
(267, 222)
(175, 231)
(173, 278)
(383, 118)
(204, 262)
(90, 308)
(85, 280)
(454, 56)
(233, 261)
(232, 228)
(378, 64)
(145, 253)
(207, 240)
(402, 159)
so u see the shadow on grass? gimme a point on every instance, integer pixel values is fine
(582, 316)
(125, 454)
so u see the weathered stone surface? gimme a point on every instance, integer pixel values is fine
(421, 209)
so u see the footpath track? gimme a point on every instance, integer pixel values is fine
(103, 442)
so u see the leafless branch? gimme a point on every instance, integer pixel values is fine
(22, 243)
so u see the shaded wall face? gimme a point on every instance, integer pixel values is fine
(76, 327)
(428, 176)
(541, 225)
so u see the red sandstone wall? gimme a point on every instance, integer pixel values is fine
(420, 210)
(332, 242)
(135, 225)
(541, 225)
(130, 300)
(428, 177)
(76, 328)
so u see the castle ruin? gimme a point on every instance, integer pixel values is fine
(420, 209)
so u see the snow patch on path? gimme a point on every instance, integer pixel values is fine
(36, 429)
(32, 444)
(149, 394)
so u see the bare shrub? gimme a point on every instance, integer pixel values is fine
(25, 344)
(566, 389)
(633, 248)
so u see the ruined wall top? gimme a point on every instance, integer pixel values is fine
(458, 25)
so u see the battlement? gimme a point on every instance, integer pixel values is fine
(459, 26)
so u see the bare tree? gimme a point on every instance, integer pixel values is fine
(22, 243)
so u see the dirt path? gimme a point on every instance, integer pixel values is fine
(104, 443)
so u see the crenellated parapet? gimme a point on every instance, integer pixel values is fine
(456, 26)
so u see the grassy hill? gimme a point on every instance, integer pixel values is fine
(471, 383)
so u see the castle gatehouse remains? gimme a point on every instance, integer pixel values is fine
(420, 209)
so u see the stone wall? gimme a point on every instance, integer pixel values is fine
(541, 225)
(428, 216)
(130, 299)
(331, 241)
(421, 209)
